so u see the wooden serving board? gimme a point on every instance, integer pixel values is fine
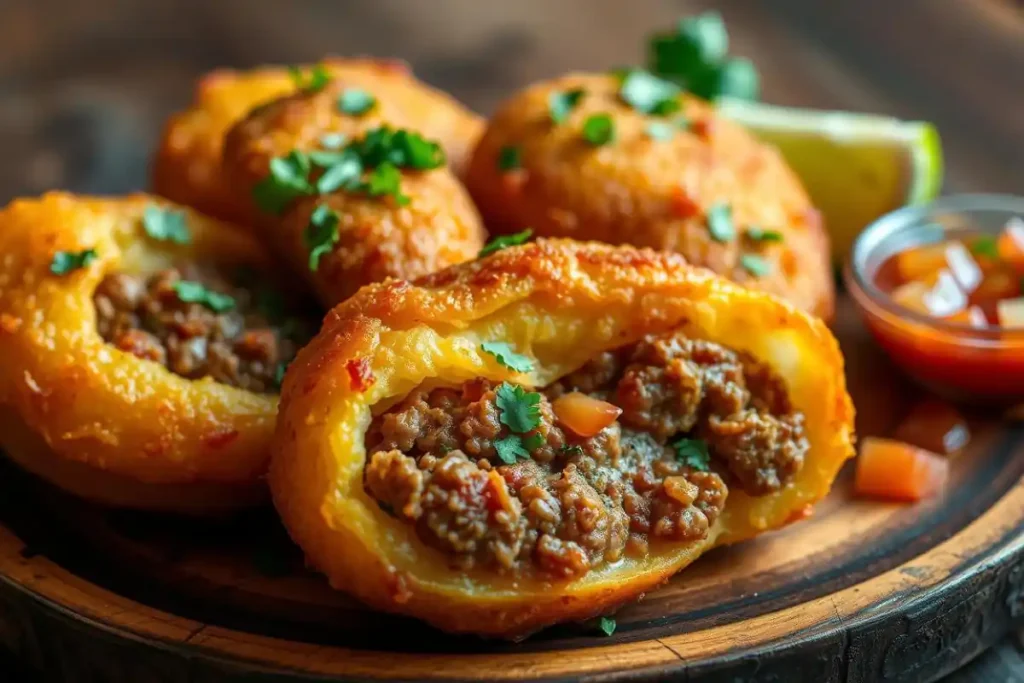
(862, 591)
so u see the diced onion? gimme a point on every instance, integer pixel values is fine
(945, 298)
(962, 265)
(1011, 312)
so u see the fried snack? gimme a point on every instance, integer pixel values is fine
(133, 374)
(689, 181)
(433, 225)
(187, 167)
(545, 434)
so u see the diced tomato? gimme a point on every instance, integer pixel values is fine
(935, 426)
(1001, 283)
(1011, 244)
(920, 263)
(584, 415)
(1011, 312)
(893, 470)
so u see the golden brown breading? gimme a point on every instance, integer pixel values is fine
(652, 192)
(99, 421)
(559, 303)
(377, 237)
(187, 167)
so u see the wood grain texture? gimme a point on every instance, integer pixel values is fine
(860, 592)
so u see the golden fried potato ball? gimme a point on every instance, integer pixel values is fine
(688, 181)
(188, 162)
(427, 222)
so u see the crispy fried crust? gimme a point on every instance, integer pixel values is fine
(99, 421)
(650, 192)
(561, 303)
(377, 237)
(187, 166)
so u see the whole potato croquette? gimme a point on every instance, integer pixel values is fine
(633, 160)
(188, 163)
(347, 197)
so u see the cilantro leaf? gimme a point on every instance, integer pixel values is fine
(332, 140)
(758, 234)
(649, 94)
(64, 262)
(321, 234)
(518, 409)
(510, 158)
(345, 174)
(659, 130)
(288, 179)
(986, 246)
(511, 449)
(196, 293)
(504, 241)
(166, 225)
(356, 101)
(562, 102)
(755, 265)
(316, 81)
(507, 357)
(416, 152)
(599, 129)
(737, 77)
(692, 453)
(386, 179)
(608, 625)
(720, 223)
(533, 441)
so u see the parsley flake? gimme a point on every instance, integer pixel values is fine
(519, 409)
(659, 130)
(986, 246)
(386, 180)
(507, 357)
(356, 101)
(288, 179)
(562, 102)
(321, 234)
(166, 225)
(692, 453)
(608, 625)
(316, 81)
(192, 292)
(64, 262)
(758, 234)
(755, 265)
(510, 158)
(504, 241)
(599, 129)
(720, 223)
(510, 449)
(649, 94)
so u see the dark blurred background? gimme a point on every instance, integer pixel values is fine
(86, 84)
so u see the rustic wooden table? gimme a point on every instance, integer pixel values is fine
(85, 86)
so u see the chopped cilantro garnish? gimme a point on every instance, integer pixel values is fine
(737, 77)
(196, 293)
(316, 81)
(345, 173)
(510, 158)
(755, 265)
(608, 625)
(572, 450)
(659, 130)
(533, 441)
(720, 223)
(64, 262)
(503, 241)
(356, 101)
(403, 148)
(386, 180)
(332, 140)
(649, 94)
(562, 102)
(288, 179)
(692, 453)
(507, 357)
(321, 234)
(986, 246)
(758, 234)
(510, 449)
(518, 409)
(165, 225)
(599, 129)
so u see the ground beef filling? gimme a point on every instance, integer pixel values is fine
(238, 345)
(578, 502)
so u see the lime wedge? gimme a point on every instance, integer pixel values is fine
(856, 167)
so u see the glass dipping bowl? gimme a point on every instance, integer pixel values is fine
(955, 360)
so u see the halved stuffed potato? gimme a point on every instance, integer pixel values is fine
(188, 163)
(546, 433)
(629, 159)
(143, 347)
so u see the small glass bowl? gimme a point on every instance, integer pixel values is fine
(954, 360)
